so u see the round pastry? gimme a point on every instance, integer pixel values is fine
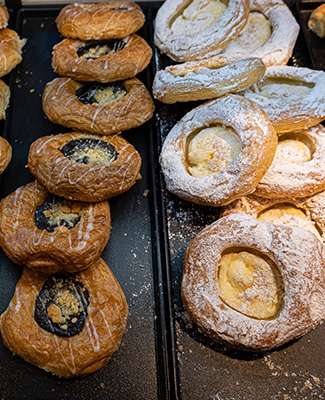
(206, 79)
(4, 98)
(188, 30)
(5, 154)
(50, 234)
(308, 213)
(294, 98)
(69, 325)
(218, 151)
(4, 17)
(98, 108)
(10, 50)
(83, 167)
(316, 21)
(103, 60)
(115, 19)
(270, 34)
(254, 284)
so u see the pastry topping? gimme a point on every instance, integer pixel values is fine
(90, 150)
(294, 148)
(198, 15)
(250, 284)
(61, 306)
(56, 212)
(211, 150)
(285, 88)
(100, 93)
(98, 48)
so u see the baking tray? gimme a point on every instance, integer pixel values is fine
(209, 371)
(140, 369)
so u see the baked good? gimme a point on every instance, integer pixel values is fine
(206, 79)
(188, 30)
(69, 325)
(4, 17)
(115, 19)
(83, 167)
(5, 154)
(52, 235)
(294, 98)
(270, 34)
(4, 98)
(298, 168)
(10, 49)
(254, 284)
(316, 21)
(218, 151)
(101, 60)
(97, 108)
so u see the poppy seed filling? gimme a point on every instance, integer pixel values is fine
(100, 93)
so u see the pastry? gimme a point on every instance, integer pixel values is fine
(188, 30)
(69, 325)
(206, 79)
(4, 98)
(317, 21)
(83, 167)
(4, 17)
(10, 49)
(49, 234)
(294, 98)
(97, 108)
(270, 34)
(254, 284)
(308, 213)
(5, 154)
(298, 169)
(103, 60)
(115, 19)
(218, 151)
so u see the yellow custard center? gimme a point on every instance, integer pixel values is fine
(293, 151)
(285, 88)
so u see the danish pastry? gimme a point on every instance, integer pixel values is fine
(115, 19)
(10, 50)
(294, 98)
(5, 154)
(317, 21)
(218, 151)
(69, 325)
(254, 284)
(189, 29)
(4, 17)
(206, 79)
(97, 108)
(52, 235)
(270, 34)
(83, 167)
(101, 61)
(4, 98)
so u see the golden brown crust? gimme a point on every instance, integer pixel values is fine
(10, 50)
(62, 106)
(84, 182)
(62, 249)
(4, 17)
(78, 355)
(122, 64)
(317, 21)
(115, 19)
(4, 99)
(5, 154)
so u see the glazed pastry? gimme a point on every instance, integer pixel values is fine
(308, 213)
(5, 154)
(188, 30)
(218, 151)
(4, 98)
(254, 284)
(294, 98)
(101, 61)
(69, 325)
(83, 167)
(270, 34)
(4, 17)
(97, 108)
(317, 21)
(207, 79)
(115, 19)
(52, 235)
(10, 50)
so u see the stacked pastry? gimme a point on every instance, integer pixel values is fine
(256, 277)
(69, 313)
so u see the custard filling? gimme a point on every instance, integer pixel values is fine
(293, 149)
(100, 94)
(285, 88)
(250, 284)
(211, 150)
(98, 48)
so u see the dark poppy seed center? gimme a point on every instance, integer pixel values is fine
(100, 93)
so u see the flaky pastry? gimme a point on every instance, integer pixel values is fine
(10, 49)
(5, 154)
(4, 17)
(316, 21)
(4, 99)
